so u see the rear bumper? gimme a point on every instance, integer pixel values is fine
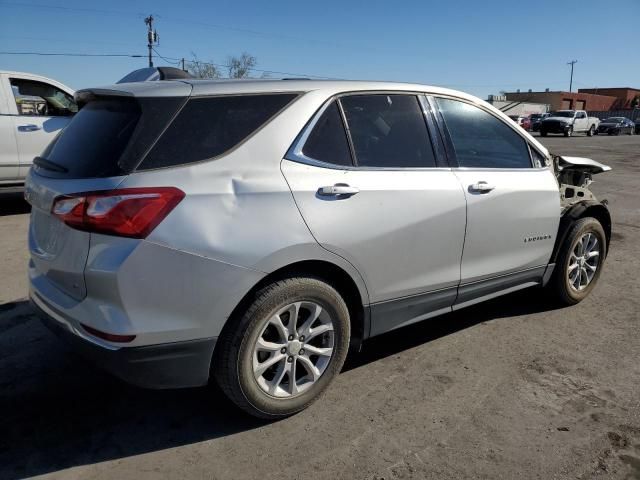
(169, 365)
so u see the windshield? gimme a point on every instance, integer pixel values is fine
(536, 116)
(613, 120)
(562, 114)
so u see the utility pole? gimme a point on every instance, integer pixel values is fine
(152, 37)
(572, 63)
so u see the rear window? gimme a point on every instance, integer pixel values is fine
(210, 126)
(94, 140)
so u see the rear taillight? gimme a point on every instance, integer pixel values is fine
(126, 212)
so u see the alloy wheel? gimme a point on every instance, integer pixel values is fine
(583, 261)
(293, 350)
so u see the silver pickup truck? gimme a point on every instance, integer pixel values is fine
(569, 122)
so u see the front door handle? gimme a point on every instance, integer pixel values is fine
(481, 187)
(337, 190)
(28, 128)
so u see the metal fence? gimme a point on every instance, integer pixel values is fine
(633, 114)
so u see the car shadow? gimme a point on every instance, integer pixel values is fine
(523, 302)
(59, 412)
(13, 204)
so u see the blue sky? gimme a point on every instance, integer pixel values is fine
(480, 47)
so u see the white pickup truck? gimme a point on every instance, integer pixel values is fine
(33, 110)
(569, 122)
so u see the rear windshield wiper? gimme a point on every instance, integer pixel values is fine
(49, 165)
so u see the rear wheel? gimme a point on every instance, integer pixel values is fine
(579, 261)
(543, 133)
(279, 356)
(591, 131)
(568, 132)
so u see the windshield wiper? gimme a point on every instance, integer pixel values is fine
(49, 165)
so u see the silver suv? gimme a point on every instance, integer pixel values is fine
(256, 231)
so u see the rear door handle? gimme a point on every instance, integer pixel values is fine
(337, 190)
(28, 128)
(481, 187)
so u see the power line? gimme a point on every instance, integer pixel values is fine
(170, 60)
(165, 58)
(171, 19)
(56, 54)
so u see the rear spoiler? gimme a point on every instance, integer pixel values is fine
(82, 97)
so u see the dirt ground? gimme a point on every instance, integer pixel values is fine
(513, 388)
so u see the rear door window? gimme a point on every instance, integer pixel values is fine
(388, 131)
(208, 127)
(328, 142)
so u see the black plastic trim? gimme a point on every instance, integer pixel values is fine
(392, 314)
(576, 212)
(169, 365)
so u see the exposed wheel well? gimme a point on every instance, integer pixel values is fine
(583, 209)
(328, 272)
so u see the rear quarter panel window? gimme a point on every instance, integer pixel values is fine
(481, 140)
(327, 141)
(207, 127)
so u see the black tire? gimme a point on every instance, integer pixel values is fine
(560, 285)
(232, 362)
(591, 131)
(569, 132)
(543, 133)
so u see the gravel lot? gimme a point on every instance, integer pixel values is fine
(513, 388)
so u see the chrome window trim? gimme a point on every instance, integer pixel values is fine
(487, 169)
(295, 153)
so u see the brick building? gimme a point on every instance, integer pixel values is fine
(624, 96)
(566, 100)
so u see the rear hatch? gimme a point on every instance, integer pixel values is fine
(102, 144)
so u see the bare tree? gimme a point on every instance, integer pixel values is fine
(240, 67)
(200, 69)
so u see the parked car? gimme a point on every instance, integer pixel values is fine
(184, 231)
(616, 126)
(33, 110)
(569, 122)
(536, 120)
(517, 118)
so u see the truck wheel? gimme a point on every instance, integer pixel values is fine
(592, 129)
(579, 260)
(278, 356)
(569, 132)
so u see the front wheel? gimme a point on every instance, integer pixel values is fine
(277, 357)
(543, 133)
(579, 261)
